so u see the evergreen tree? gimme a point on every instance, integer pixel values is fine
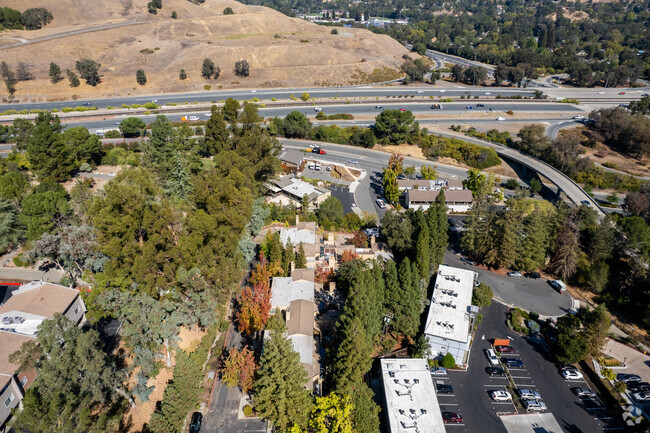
(178, 181)
(564, 261)
(422, 245)
(182, 75)
(301, 258)
(231, 111)
(48, 154)
(392, 286)
(331, 414)
(141, 77)
(279, 390)
(55, 73)
(440, 239)
(353, 356)
(407, 311)
(275, 249)
(11, 230)
(288, 256)
(216, 133)
(207, 69)
(365, 415)
(366, 299)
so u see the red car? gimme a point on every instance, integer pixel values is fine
(402, 109)
(622, 93)
(504, 349)
(452, 418)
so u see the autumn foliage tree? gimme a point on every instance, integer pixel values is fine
(348, 256)
(239, 369)
(255, 301)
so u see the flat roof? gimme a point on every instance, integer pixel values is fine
(299, 188)
(10, 342)
(40, 298)
(410, 398)
(531, 423)
(285, 289)
(296, 236)
(449, 310)
(451, 195)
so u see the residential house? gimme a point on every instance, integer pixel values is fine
(457, 200)
(293, 190)
(292, 161)
(300, 330)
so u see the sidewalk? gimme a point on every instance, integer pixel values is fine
(635, 361)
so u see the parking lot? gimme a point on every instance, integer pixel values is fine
(470, 395)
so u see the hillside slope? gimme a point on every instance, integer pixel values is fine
(282, 51)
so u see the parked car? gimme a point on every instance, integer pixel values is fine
(444, 389)
(627, 377)
(195, 423)
(317, 167)
(641, 396)
(495, 371)
(467, 261)
(505, 349)
(438, 371)
(381, 203)
(512, 362)
(568, 367)
(533, 275)
(452, 417)
(528, 394)
(499, 395)
(578, 117)
(558, 285)
(583, 392)
(534, 405)
(638, 386)
(514, 274)
(492, 357)
(571, 375)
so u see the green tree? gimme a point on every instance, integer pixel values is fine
(423, 251)
(242, 68)
(419, 48)
(55, 73)
(13, 186)
(174, 15)
(231, 110)
(389, 183)
(42, 211)
(216, 133)
(280, 396)
(182, 75)
(596, 324)
(141, 77)
(640, 107)
(448, 361)
(436, 217)
(296, 125)
(363, 137)
(89, 71)
(288, 256)
(407, 310)
(353, 356)
(66, 354)
(301, 259)
(429, 173)
(564, 260)
(571, 345)
(228, 11)
(398, 231)
(132, 127)
(331, 414)
(84, 146)
(9, 78)
(178, 181)
(536, 185)
(73, 78)
(395, 126)
(482, 295)
(480, 184)
(11, 230)
(330, 212)
(207, 69)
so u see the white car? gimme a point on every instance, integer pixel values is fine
(529, 394)
(443, 91)
(208, 114)
(500, 395)
(381, 203)
(578, 117)
(487, 93)
(501, 119)
(641, 396)
(420, 91)
(534, 405)
(194, 118)
(571, 375)
(378, 107)
(492, 357)
(352, 161)
(601, 93)
(253, 91)
(318, 109)
(154, 101)
(118, 123)
(514, 274)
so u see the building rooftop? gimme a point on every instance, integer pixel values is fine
(296, 236)
(291, 156)
(410, 397)
(285, 289)
(39, 299)
(450, 304)
(304, 345)
(303, 274)
(10, 342)
(421, 183)
(298, 188)
(454, 183)
(300, 317)
(453, 195)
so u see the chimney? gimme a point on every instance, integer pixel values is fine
(293, 266)
(330, 238)
(332, 287)
(373, 242)
(297, 219)
(331, 261)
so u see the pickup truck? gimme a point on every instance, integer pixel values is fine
(318, 150)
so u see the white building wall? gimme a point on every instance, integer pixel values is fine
(450, 207)
(441, 346)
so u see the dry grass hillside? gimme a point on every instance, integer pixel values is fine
(282, 51)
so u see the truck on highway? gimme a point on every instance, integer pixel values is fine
(436, 107)
(318, 150)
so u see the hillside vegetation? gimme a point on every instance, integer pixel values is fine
(124, 37)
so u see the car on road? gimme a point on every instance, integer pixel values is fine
(402, 109)
(495, 371)
(528, 394)
(195, 423)
(641, 396)
(381, 203)
(621, 93)
(208, 114)
(155, 101)
(118, 122)
(420, 91)
(442, 91)
(601, 93)
(585, 202)
(534, 405)
(469, 107)
(444, 389)
(578, 117)
(480, 105)
(467, 261)
(318, 109)
(487, 93)
(583, 392)
(498, 395)
(492, 357)
(514, 274)
(86, 104)
(533, 275)
(505, 349)
(194, 118)
(318, 150)
(452, 418)
(253, 91)
(352, 161)
(627, 377)
(436, 107)
(438, 371)
(501, 118)
(571, 375)
(379, 107)
(512, 362)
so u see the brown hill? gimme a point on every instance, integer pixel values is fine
(124, 37)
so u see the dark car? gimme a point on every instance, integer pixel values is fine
(533, 275)
(495, 371)
(444, 389)
(505, 349)
(480, 105)
(627, 378)
(452, 417)
(512, 362)
(195, 424)
(466, 260)
(638, 386)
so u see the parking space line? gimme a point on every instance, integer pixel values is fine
(524, 385)
(521, 377)
(502, 402)
(446, 395)
(449, 404)
(494, 385)
(450, 424)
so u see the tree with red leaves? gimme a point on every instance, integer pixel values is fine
(347, 256)
(239, 369)
(255, 302)
(360, 240)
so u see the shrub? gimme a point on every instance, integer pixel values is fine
(482, 295)
(141, 77)
(512, 184)
(174, 15)
(228, 11)
(448, 361)
(305, 96)
(610, 165)
(113, 133)
(248, 411)
(182, 75)
(85, 167)
(334, 32)
(242, 68)
(207, 87)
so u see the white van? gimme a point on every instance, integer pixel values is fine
(492, 357)
(558, 285)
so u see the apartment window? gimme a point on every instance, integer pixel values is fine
(76, 311)
(23, 381)
(9, 400)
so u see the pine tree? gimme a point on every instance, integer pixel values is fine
(353, 356)
(55, 73)
(564, 261)
(216, 133)
(11, 230)
(392, 284)
(441, 237)
(422, 252)
(178, 183)
(301, 258)
(365, 300)
(276, 249)
(182, 75)
(406, 318)
(279, 390)
(288, 256)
